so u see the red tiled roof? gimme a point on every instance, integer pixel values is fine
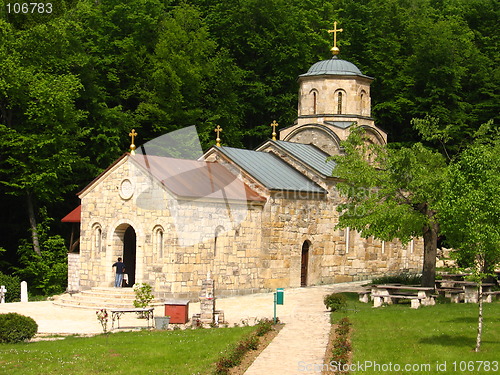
(197, 179)
(74, 216)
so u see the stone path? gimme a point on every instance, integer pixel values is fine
(300, 344)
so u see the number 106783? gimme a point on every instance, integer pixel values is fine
(25, 8)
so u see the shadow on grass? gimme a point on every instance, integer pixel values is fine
(447, 340)
(456, 341)
(473, 319)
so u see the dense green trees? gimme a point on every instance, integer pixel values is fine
(74, 82)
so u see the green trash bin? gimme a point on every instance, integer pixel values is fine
(280, 296)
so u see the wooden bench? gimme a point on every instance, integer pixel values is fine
(117, 313)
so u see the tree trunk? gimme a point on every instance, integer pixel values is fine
(480, 318)
(430, 253)
(34, 230)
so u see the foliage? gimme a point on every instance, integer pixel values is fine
(13, 285)
(470, 210)
(16, 328)
(341, 347)
(102, 317)
(335, 301)
(264, 326)
(471, 206)
(143, 295)
(234, 356)
(402, 278)
(391, 193)
(46, 273)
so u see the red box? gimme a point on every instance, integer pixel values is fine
(178, 310)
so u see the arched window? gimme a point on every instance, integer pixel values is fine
(218, 231)
(315, 102)
(158, 238)
(339, 103)
(363, 103)
(97, 237)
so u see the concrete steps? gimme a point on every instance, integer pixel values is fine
(98, 298)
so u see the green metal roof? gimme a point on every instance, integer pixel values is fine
(334, 66)
(270, 170)
(309, 155)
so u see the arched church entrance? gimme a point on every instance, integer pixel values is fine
(129, 254)
(304, 264)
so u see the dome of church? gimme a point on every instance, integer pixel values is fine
(334, 66)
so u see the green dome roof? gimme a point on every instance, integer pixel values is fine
(334, 66)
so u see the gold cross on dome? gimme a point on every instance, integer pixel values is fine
(274, 125)
(132, 134)
(218, 130)
(335, 50)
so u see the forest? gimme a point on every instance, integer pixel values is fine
(76, 79)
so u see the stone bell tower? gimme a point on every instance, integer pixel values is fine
(333, 95)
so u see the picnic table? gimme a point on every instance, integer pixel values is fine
(117, 313)
(467, 291)
(391, 293)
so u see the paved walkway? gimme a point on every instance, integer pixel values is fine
(300, 344)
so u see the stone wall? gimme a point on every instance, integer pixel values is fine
(73, 272)
(355, 98)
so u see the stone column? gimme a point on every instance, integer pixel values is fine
(24, 291)
(207, 301)
(3, 291)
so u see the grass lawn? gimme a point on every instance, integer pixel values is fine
(432, 340)
(145, 352)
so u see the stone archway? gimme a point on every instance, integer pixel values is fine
(125, 246)
(130, 254)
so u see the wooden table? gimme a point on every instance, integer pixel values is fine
(117, 313)
(389, 293)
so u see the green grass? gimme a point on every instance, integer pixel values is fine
(145, 352)
(440, 334)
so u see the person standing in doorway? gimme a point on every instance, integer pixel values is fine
(120, 270)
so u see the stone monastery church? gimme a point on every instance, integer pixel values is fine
(254, 220)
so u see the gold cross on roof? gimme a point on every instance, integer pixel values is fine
(335, 50)
(132, 134)
(274, 125)
(218, 130)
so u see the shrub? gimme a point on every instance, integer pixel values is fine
(341, 345)
(233, 357)
(143, 296)
(335, 301)
(13, 286)
(16, 328)
(264, 326)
